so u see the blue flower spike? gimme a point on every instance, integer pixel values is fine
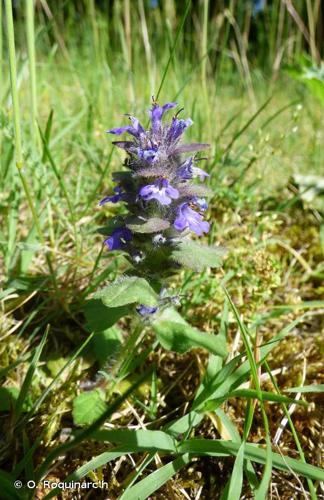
(161, 190)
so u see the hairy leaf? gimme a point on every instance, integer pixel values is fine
(99, 317)
(196, 256)
(106, 344)
(111, 224)
(153, 225)
(175, 334)
(128, 290)
(88, 406)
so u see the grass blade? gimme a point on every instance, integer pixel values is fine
(307, 388)
(139, 440)
(172, 51)
(261, 491)
(147, 486)
(255, 453)
(236, 482)
(294, 432)
(13, 80)
(8, 491)
(29, 377)
(32, 69)
(251, 394)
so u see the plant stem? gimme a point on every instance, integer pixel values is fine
(13, 81)
(126, 354)
(32, 69)
(204, 49)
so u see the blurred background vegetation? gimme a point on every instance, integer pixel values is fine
(268, 33)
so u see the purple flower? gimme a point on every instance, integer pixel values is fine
(149, 155)
(137, 126)
(115, 198)
(188, 218)
(146, 310)
(198, 172)
(200, 203)
(119, 238)
(156, 170)
(177, 128)
(187, 171)
(161, 190)
(135, 129)
(156, 114)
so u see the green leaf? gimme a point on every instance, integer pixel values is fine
(137, 440)
(128, 290)
(28, 283)
(228, 427)
(8, 491)
(175, 334)
(23, 393)
(106, 344)
(110, 225)
(197, 256)
(99, 317)
(152, 225)
(307, 388)
(157, 441)
(183, 424)
(8, 397)
(261, 491)
(88, 406)
(27, 459)
(256, 453)
(147, 486)
(236, 482)
(145, 440)
(212, 404)
(55, 380)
